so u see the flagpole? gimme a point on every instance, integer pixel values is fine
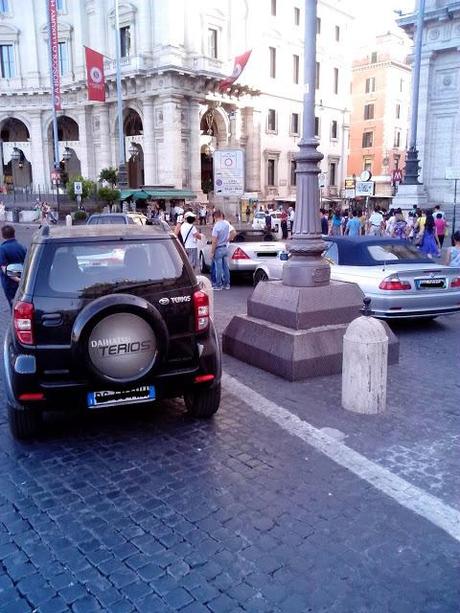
(122, 172)
(56, 164)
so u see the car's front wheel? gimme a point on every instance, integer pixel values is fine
(24, 424)
(203, 402)
(260, 275)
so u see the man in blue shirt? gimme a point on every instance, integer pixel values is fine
(353, 227)
(11, 252)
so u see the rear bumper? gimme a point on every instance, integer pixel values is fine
(426, 305)
(69, 393)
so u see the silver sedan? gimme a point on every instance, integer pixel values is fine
(398, 279)
(247, 249)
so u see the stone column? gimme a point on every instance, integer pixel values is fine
(170, 156)
(86, 145)
(39, 157)
(105, 154)
(195, 147)
(253, 149)
(149, 142)
(235, 128)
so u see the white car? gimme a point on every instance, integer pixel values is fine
(258, 222)
(400, 281)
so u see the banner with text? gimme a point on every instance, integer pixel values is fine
(54, 52)
(95, 75)
(228, 172)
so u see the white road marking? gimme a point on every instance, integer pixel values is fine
(409, 496)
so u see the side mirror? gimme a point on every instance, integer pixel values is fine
(14, 270)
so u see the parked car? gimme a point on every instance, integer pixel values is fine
(258, 222)
(118, 218)
(394, 274)
(246, 249)
(108, 316)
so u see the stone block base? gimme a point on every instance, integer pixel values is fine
(290, 343)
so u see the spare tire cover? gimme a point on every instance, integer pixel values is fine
(122, 346)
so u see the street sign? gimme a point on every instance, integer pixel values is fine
(452, 172)
(350, 183)
(78, 188)
(322, 179)
(349, 193)
(55, 177)
(228, 172)
(364, 188)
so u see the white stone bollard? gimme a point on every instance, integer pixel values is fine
(206, 287)
(364, 366)
(68, 220)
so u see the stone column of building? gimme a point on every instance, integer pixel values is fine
(235, 128)
(195, 147)
(40, 164)
(170, 157)
(253, 149)
(149, 141)
(104, 159)
(424, 93)
(86, 152)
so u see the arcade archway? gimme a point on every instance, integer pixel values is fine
(133, 131)
(16, 170)
(69, 146)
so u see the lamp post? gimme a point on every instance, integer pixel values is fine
(411, 173)
(306, 267)
(122, 172)
(294, 328)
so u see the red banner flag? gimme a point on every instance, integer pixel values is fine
(54, 52)
(240, 63)
(95, 75)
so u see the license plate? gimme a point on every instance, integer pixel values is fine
(107, 398)
(439, 283)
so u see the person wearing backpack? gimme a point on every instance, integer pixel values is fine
(188, 236)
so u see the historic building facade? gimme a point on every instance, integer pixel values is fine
(438, 135)
(381, 85)
(174, 54)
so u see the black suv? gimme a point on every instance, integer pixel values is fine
(104, 316)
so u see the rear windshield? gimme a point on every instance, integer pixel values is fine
(108, 219)
(91, 269)
(395, 252)
(253, 236)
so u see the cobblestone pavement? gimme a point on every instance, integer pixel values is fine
(148, 510)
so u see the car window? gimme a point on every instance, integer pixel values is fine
(92, 269)
(260, 215)
(254, 236)
(395, 252)
(331, 253)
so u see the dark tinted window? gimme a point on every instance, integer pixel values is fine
(395, 252)
(253, 237)
(92, 269)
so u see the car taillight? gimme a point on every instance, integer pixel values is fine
(201, 306)
(239, 254)
(455, 282)
(23, 315)
(394, 284)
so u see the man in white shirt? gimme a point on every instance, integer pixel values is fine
(190, 236)
(375, 224)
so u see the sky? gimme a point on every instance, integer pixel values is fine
(377, 16)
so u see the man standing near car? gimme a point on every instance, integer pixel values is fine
(11, 252)
(189, 235)
(222, 233)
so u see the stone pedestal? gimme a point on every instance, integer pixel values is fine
(408, 195)
(297, 332)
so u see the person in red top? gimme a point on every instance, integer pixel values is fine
(284, 226)
(440, 224)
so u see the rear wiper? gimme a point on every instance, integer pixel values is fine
(128, 285)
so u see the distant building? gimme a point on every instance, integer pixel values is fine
(381, 88)
(438, 135)
(174, 54)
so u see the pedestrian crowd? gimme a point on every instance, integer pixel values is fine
(425, 228)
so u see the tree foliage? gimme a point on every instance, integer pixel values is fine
(110, 175)
(88, 187)
(109, 194)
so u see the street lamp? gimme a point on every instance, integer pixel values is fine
(133, 150)
(67, 154)
(294, 328)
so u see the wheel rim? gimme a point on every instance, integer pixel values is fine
(260, 276)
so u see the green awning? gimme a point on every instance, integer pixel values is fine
(158, 194)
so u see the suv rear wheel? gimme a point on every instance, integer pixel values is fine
(203, 403)
(24, 424)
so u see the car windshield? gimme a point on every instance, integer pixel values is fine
(92, 269)
(260, 215)
(395, 252)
